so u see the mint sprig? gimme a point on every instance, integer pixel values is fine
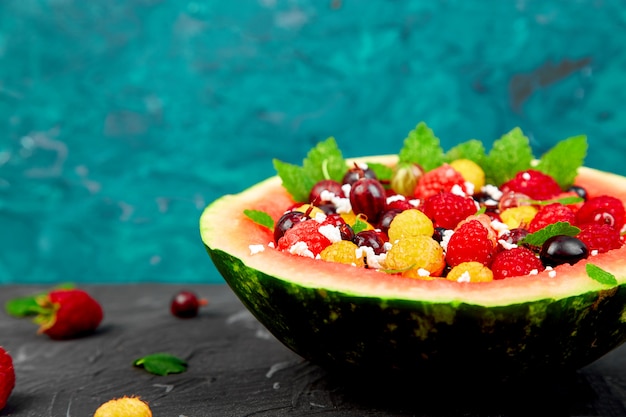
(422, 147)
(562, 161)
(556, 229)
(324, 161)
(473, 149)
(508, 155)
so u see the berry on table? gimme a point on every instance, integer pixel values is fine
(7, 377)
(68, 313)
(124, 407)
(186, 304)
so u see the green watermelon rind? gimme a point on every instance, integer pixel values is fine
(342, 317)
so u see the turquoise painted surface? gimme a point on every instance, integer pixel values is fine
(121, 120)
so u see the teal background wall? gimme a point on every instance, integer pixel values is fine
(121, 119)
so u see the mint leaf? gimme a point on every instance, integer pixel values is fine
(260, 217)
(359, 225)
(562, 161)
(508, 155)
(383, 172)
(473, 149)
(295, 180)
(422, 147)
(540, 236)
(161, 364)
(325, 161)
(600, 275)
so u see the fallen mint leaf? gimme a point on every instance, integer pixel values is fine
(556, 229)
(260, 217)
(600, 275)
(161, 364)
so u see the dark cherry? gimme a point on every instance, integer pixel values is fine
(370, 238)
(324, 185)
(385, 219)
(286, 222)
(186, 304)
(367, 196)
(356, 173)
(580, 191)
(562, 249)
(347, 233)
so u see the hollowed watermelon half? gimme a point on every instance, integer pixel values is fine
(362, 320)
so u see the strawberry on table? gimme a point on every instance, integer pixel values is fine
(68, 313)
(7, 377)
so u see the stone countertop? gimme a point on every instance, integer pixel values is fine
(236, 368)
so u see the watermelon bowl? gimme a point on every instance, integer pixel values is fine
(362, 321)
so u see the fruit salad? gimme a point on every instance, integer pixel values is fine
(465, 214)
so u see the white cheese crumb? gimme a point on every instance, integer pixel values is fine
(342, 205)
(395, 197)
(301, 249)
(445, 239)
(346, 189)
(331, 232)
(458, 190)
(506, 245)
(326, 195)
(469, 188)
(254, 249)
(552, 273)
(499, 227)
(492, 191)
(594, 252)
(362, 165)
(387, 246)
(465, 277)
(271, 245)
(415, 202)
(423, 272)
(373, 261)
(533, 272)
(320, 217)
(526, 176)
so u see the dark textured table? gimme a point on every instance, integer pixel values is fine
(236, 368)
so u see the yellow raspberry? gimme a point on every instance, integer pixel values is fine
(470, 171)
(470, 272)
(345, 252)
(416, 257)
(124, 407)
(411, 222)
(515, 217)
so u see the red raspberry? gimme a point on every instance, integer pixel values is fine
(7, 377)
(535, 184)
(600, 237)
(515, 262)
(603, 209)
(443, 178)
(551, 213)
(470, 242)
(447, 209)
(307, 231)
